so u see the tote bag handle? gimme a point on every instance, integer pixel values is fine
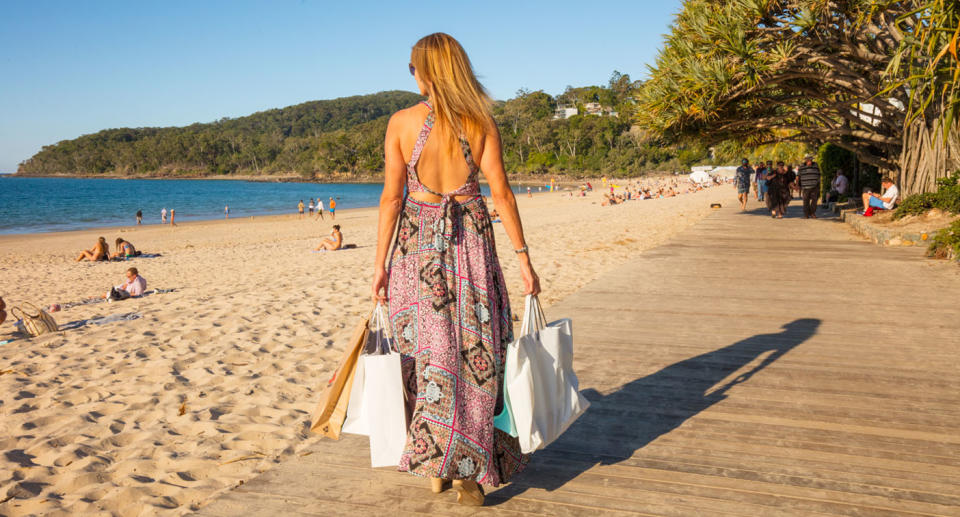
(533, 318)
(380, 325)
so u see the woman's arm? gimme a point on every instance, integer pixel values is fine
(491, 164)
(391, 202)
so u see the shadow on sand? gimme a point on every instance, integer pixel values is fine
(619, 424)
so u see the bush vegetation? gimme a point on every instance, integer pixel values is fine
(946, 198)
(946, 242)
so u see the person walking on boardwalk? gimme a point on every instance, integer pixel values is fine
(743, 177)
(777, 190)
(446, 294)
(760, 182)
(808, 177)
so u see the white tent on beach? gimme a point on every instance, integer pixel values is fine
(700, 176)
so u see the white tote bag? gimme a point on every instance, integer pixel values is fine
(376, 406)
(540, 385)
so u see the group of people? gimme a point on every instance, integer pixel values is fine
(776, 184)
(318, 206)
(655, 189)
(101, 251)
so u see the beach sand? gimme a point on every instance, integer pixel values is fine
(217, 380)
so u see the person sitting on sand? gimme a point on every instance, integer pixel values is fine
(100, 251)
(332, 243)
(124, 250)
(132, 288)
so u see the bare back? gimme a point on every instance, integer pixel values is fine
(440, 166)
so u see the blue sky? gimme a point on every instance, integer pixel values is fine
(69, 68)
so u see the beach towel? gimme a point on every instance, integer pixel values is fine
(101, 320)
(138, 255)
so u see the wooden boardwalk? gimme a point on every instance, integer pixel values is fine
(737, 370)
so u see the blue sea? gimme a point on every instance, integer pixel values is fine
(32, 205)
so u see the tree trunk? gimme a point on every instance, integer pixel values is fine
(927, 155)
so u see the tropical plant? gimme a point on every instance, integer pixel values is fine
(876, 77)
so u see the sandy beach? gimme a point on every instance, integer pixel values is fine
(203, 387)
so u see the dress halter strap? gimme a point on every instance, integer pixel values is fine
(445, 228)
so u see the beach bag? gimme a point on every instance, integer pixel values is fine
(38, 323)
(540, 388)
(332, 409)
(376, 406)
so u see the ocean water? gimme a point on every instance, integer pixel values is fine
(32, 205)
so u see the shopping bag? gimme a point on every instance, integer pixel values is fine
(332, 409)
(504, 420)
(376, 406)
(36, 324)
(541, 388)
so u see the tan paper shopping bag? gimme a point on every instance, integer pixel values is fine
(332, 410)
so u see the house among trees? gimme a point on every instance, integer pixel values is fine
(595, 108)
(564, 112)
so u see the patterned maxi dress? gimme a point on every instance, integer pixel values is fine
(451, 318)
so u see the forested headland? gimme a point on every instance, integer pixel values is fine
(343, 138)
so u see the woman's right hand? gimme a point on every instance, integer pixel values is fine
(380, 285)
(531, 282)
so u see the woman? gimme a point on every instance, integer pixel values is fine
(124, 249)
(333, 242)
(100, 251)
(775, 189)
(448, 301)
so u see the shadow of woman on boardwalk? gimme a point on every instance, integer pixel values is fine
(620, 423)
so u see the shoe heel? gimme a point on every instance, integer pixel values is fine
(469, 493)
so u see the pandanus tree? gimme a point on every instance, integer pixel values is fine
(878, 78)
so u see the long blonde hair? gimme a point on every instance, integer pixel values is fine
(461, 103)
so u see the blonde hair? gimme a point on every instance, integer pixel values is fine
(461, 103)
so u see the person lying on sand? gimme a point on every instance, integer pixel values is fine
(133, 287)
(100, 251)
(332, 243)
(124, 249)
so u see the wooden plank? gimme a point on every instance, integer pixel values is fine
(728, 376)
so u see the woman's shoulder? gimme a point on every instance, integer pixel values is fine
(414, 113)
